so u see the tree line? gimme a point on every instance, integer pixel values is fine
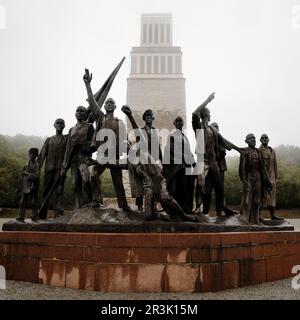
(288, 185)
(13, 156)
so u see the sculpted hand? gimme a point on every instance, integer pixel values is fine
(89, 161)
(87, 77)
(126, 109)
(211, 97)
(269, 186)
(247, 186)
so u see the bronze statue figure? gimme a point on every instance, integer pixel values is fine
(52, 154)
(151, 135)
(108, 121)
(155, 181)
(77, 150)
(254, 178)
(223, 168)
(212, 173)
(29, 186)
(269, 157)
(151, 139)
(177, 159)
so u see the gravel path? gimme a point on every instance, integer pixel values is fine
(27, 291)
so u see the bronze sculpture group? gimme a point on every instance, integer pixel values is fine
(171, 178)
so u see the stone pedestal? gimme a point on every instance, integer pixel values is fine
(149, 262)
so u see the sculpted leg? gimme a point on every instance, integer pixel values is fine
(22, 209)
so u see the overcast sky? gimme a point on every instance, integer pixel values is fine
(247, 51)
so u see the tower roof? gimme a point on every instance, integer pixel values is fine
(156, 29)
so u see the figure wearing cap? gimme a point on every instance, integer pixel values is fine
(152, 140)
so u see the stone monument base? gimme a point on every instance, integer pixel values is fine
(111, 220)
(149, 262)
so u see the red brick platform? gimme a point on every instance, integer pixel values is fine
(143, 262)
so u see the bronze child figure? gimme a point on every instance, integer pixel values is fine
(29, 186)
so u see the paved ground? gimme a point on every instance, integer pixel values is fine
(273, 290)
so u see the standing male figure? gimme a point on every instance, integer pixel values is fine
(223, 169)
(108, 121)
(28, 187)
(151, 135)
(212, 141)
(152, 140)
(52, 154)
(77, 151)
(177, 159)
(269, 157)
(254, 178)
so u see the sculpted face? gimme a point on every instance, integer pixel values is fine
(59, 125)
(110, 105)
(205, 115)
(179, 124)
(251, 140)
(264, 139)
(215, 125)
(81, 113)
(148, 119)
(32, 154)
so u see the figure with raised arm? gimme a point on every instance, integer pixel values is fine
(152, 140)
(210, 178)
(154, 181)
(108, 121)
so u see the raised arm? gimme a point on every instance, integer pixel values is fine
(87, 78)
(128, 112)
(204, 104)
(242, 169)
